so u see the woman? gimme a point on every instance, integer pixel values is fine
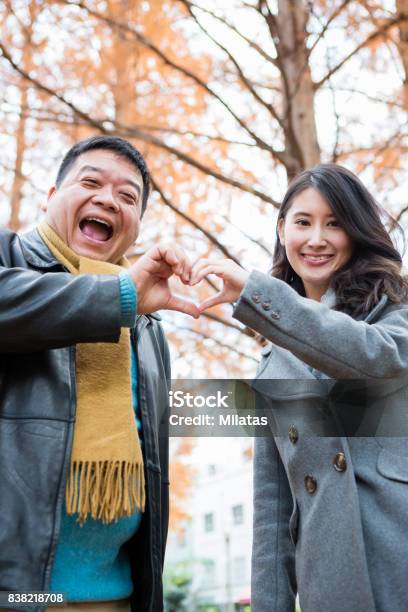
(331, 489)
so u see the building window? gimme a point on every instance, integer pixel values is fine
(239, 569)
(208, 574)
(209, 522)
(238, 514)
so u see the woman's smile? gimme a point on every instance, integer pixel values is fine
(316, 260)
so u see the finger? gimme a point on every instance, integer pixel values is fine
(197, 267)
(216, 269)
(173, 257)
(184, 306)
(186, 265)
(179, 262)
(219, 298)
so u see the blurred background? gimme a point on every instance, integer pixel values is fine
(227, 100)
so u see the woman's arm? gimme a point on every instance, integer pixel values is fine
(273, 552)
(331, 341)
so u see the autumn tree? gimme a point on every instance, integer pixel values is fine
(227, 106)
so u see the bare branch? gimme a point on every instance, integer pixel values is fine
(379, 100)
(137, 134)
(369, 39)
(326, 26)
(193, 222)
(52, 93)
(229, 25)
(128, 131)
(269, 107)
(169, 130)
(247, 331)
(259, 243)
(213, 339)
(188, 73)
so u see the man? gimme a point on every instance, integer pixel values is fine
(84, 372)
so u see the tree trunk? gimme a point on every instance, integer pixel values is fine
(298, 88)
(402, 10)
(18, 178)
(124, 63)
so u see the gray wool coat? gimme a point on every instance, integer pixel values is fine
(331, 483)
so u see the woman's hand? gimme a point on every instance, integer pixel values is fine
(232, 275)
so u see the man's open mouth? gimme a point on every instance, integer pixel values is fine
(96, 229)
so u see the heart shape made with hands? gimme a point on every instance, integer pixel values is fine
(232, 275)
(151, 274)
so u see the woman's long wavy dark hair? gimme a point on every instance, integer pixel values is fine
(375, 267)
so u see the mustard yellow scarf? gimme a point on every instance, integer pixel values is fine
(106, 476)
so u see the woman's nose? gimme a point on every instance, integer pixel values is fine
(317, 236)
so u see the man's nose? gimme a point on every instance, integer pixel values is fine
(106, 198)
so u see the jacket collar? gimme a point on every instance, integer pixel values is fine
(36, 251)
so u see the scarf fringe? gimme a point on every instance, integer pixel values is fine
(105, 490)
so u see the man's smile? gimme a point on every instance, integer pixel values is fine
(96, 228)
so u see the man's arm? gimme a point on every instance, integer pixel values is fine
(56, 309)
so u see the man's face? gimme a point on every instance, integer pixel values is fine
(96, 210)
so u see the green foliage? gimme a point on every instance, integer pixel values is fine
(177, 581)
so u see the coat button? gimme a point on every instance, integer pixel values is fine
(340, 463)
(275, 314)
(256, 297)
(293, 434)
(310, 484)
(266, 305)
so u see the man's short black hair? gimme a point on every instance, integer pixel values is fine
(121, 147)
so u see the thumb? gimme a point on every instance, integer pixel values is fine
(219, 298)
(184, 306)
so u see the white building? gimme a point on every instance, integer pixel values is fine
(215, 544)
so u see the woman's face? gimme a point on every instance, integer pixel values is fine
(316, 246)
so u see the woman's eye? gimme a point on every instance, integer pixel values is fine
(334, 223)
(301, 222)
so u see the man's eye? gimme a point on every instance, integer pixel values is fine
(130, 197)
(89, 182)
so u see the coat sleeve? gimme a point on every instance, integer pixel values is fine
(56, 309)
(273, 553)
(164, 442)
(330, 341)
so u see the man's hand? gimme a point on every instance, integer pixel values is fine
(233, 276)
(151, 274)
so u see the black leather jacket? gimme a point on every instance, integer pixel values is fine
(44, 312)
